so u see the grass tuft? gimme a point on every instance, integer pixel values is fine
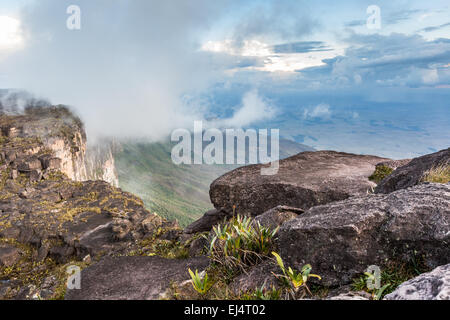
(240, 243)
(438, 174)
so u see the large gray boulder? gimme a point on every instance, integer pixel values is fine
(261, 275)
(303, 181)
(133, 278)
(434, 285)
(342, 239)
(412, 173)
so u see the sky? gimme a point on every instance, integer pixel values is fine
(369, 77)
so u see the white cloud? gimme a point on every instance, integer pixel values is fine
(249, 48)
(125, 71)
(10, 36)
(321, 111)
(253, 109)
(271, 61)
(430, 76)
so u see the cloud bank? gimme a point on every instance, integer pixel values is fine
(125, 71)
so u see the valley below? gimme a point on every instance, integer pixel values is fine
(209, 231)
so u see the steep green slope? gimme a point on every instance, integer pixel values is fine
(172, 191)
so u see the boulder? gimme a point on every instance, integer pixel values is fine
(303, 181)
(342, 239)
(133, 278)
(50, 162)
(9, 255)
(205, 223)
(351, 296)
(412, 173)
(198, 247)
(94, 218)
(152, 223)
(257, 277)
(346, 292)
(394, 164)
(30, 164)
(434, 285)
(277, 216)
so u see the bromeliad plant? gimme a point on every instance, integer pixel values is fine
(262, 293)
(294, 280)
(241, 243)
(201, 284)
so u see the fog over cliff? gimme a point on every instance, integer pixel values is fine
(128, 69)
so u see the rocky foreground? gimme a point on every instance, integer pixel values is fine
(329, 211)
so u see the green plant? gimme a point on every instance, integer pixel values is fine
(380, 173)
(263, 294)
(293, 279)
(438, 174)
(201, 284)
(240, 243)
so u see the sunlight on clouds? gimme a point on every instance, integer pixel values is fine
(273, 62)
(10, 37)
(292, 62)
(321, 111)
(249, 48)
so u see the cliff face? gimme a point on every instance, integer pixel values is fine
(57, 131)
(100, 163)
(51, 210)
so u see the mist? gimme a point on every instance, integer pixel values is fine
(126, 71)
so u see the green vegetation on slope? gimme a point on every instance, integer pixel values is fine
(174, 192)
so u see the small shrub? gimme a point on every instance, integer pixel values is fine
(240, 243)
(293, 279)
(380, 173)
(263, 294)
(201, 284)
(438, 174)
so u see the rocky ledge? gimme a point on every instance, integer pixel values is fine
(412, 172)
(341, 239)
(303, 181)
(434, 285)
(48, 220)
(322, 202)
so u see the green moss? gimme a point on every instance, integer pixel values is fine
(29, 272)
(56, 175)
(163, 248)
(380, 173)
(4, 176)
